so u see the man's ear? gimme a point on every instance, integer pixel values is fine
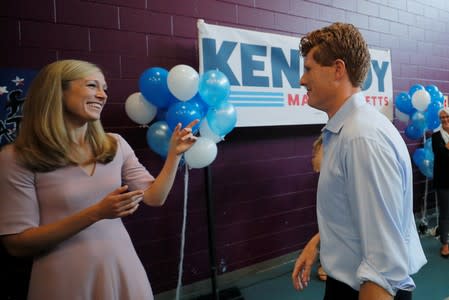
(340, 69)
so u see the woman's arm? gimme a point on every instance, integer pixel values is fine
(303, 265)
(181, 141)
(35, 240)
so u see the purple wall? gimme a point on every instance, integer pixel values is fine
(263, 184)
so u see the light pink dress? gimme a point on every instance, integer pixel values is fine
(100, 262)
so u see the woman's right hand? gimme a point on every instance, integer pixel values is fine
(303, 265)
(118, 204)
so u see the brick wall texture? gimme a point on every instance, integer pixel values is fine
(263, 186)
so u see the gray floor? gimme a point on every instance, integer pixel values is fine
(432, 281)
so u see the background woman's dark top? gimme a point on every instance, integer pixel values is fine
(441, 162)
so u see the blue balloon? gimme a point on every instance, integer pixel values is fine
(436, 96)
(431, 88)
(161, 115)
(200, 105)
(414, 88)
(172, 100)
(182, 112)
(413, 132)
(427, 168)
(403, 103)
(418, 156)
(432, 117)
(424, 161)
(214, 87)
(429, 153)
(158, 137)
(222, 119)
(153, 86)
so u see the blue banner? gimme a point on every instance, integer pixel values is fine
(13, 87)
(264, 71)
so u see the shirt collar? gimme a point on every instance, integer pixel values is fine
(335, 124)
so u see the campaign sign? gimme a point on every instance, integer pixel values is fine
(264, 71)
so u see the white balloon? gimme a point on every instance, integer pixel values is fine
(182, 81)
(420, 100)
(206, 132)
(201, 154)
(140, 110)
(403, 117)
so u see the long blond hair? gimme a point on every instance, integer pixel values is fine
(317, 144)
(43, 142)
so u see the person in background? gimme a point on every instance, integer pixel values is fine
(369, 244)
(310, 252)
(66, 184)
(317, 156)
(440, 148)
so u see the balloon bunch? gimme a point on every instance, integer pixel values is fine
(419, 107)
(181, 95)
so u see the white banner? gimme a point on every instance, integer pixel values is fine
(264, 71)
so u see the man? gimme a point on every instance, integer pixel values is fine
(369, 245)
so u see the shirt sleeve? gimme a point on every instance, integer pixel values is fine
(19, 208)
(134, 174)
(378, 202)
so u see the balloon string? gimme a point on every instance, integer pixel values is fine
(437, 210)
(184, 219)
(424, 210)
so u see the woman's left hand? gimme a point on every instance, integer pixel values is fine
(182, 139)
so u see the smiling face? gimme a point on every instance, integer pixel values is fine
(318, 80)
(84, 99)
(444, 118)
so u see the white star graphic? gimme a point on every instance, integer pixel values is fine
(18, 81)
(3, 90)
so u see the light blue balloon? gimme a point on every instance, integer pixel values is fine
(419, 120)
(428, 144)
(222, 119)
(153, 86)
(214, 87)
(158, 137)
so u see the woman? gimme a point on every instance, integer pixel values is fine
(68, 183)
(308, 256)
(317, 155)
(440, 147)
